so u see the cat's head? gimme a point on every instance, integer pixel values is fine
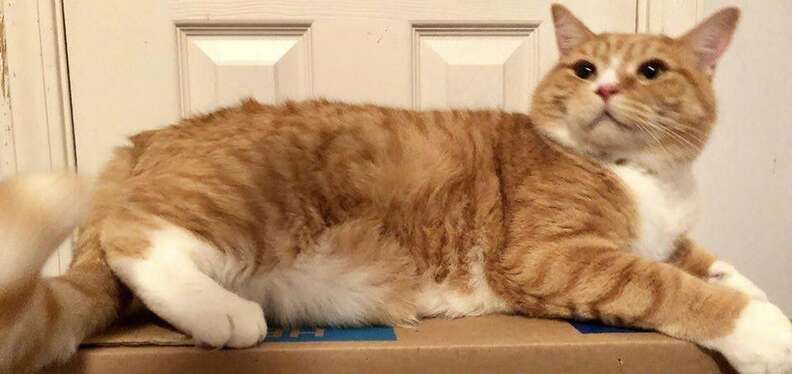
(642, 98)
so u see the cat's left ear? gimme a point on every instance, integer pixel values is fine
(570, 32)
(711, 37)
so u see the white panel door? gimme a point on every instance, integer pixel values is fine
(143, 64)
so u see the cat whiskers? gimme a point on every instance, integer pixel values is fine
(647, 130)
(691, 131)
(680, 137)
(636, 112)
(636, 117)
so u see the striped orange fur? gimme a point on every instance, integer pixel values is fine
(321, 212)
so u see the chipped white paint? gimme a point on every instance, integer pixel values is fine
(35, 118)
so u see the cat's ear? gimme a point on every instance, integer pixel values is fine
(570, 32)
(711, 37)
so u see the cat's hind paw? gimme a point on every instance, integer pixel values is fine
(238, 324)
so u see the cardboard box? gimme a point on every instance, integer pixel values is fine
(490, 344)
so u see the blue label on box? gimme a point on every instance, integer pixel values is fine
(598, 328)
(329, 334)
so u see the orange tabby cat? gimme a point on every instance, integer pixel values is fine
(326, 213)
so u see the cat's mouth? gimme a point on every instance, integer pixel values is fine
(606, 115)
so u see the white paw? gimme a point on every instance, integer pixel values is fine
(235, 323)
(724, 273)
(761, 342)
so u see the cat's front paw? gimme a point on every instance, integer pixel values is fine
(761, 342)
(235, 323)
(721, 272)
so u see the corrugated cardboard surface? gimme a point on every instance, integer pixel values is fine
(490, 344)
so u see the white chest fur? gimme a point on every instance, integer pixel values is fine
(666, 206)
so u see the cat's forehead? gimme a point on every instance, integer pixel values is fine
(626, 48)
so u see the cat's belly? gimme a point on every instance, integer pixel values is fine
(475, 297)
(318, 290)
(323, 291)
(666, 208)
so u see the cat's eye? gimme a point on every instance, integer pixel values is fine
(652, 69)
(584, 69)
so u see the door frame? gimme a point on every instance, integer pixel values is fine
(35, 105)
(36, 129)
(668, 16)
(36, 132)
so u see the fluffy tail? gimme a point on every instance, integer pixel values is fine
(43, 320)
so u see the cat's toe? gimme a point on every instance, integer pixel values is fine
(725, 274)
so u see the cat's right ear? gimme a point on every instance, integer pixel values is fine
(570, 32)
(711, 37)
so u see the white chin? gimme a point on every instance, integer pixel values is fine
(609, 136)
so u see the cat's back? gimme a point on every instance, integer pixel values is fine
(320, 134)
(327, 161)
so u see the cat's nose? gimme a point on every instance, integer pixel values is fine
(606, 90)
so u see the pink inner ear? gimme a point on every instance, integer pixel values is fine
(710, 39)
(712, 45)
(566, 39)
(569, 30)
(569, 35)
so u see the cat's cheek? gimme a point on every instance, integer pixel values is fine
(761, 341)
(585, 112)
(723, 273)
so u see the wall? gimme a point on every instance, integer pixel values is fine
(745, 174)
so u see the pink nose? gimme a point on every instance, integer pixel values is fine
(606, 90)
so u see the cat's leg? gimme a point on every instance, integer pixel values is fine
(619, 287)
(166, 267)
(696, 260)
